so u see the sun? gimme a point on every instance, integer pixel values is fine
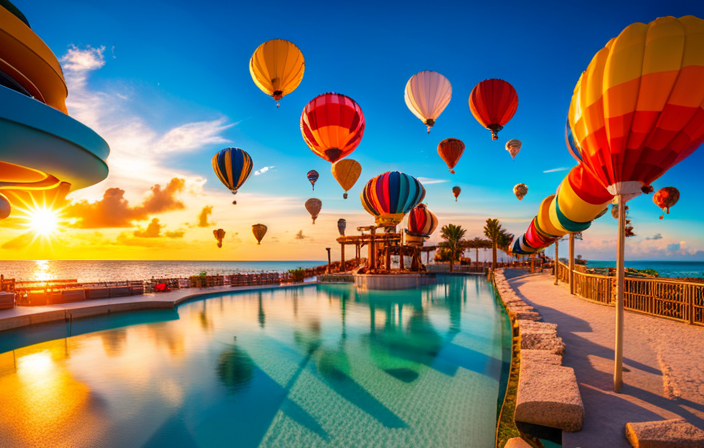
(43, 221)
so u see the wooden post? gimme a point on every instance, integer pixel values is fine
(387, 248)
(571, 273)
(401, 261)
(342, 257)
(372, 253)
(329, 261)
(557, 262)
(532, 264)
(690, 300)
(621, 243)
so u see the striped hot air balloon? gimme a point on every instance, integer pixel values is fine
(277, 68)
(580, 198)
(312, 177)
(421, 221)
(493, 103)
(389, 196)
(233, 167)
(332, 125)
(638, 108)
(427, 94)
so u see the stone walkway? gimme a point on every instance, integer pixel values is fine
(21, 316)
(663, 363)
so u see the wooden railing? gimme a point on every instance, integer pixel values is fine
(668, 298)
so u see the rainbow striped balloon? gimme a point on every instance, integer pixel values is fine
(389, 196)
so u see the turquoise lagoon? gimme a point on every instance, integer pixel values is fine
(318, 365)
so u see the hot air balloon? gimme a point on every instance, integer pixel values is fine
(456, 191)
(277, 68)
(332, 125)
(427, 95)
(450, 150)
(219, 235)
(493, 103)
(233, 167)
(636, 111)
(313, 206)
(580, 198)
(5, 207)
(665, 198)
(421, 221)
(520, 190)
(259, 230)
(341, 226)
(513, 146)
(389, 196)
(346, 172)
(312, 177)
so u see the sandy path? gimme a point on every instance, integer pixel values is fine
(665, 360)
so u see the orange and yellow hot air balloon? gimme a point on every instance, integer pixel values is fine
(638, 109)
(427, 94)
(665, 198)
(314, 205)
(277, 68)
(259, 230)
(346, 172)
(450, 150)
(332, 125)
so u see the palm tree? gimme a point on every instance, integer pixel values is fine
(493, 231)
(453, 244)
(477, 243)
(504, 241)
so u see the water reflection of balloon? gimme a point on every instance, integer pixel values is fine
(235, 369)
(493, 103)
(259, 230)
(450, 150)
(314, 205)
(332, 125)
(427, 94)
(277, 68)
(346, 172)
(312, 177)
(219, 235)
(456, 192)
(665, 198)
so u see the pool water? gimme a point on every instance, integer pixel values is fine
(321, 365)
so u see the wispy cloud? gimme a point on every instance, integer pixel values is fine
(428, 181)
(263, 170)
(554, 170)
(657, 236)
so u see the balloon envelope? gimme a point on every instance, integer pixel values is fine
(313, 206)
(513, 146)
(520, 190)
(312, 177)
(389, 196)
(665, 198)
(277, 68)
(637, 109)
(219, 235)
(493, 103)
(259, 230)
(233, 167)
(341, 226)
(421, 221)
(427, 94)
(456, 191)
(346, 172)
(450, 150)
(332, 125)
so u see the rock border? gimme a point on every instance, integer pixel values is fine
(548, 393)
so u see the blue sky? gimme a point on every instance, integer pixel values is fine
(178, 62)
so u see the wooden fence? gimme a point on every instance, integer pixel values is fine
(668, 298)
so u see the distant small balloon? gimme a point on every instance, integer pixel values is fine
(665, 198)
(520, 190)
(219, 235)
(513, 146)
(314, 205)
(456, 191)
(341, 226)
(312, 177)
(259, 230)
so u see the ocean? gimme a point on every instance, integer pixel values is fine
(117, 270)
(664, 268)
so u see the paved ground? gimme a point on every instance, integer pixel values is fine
(27, 315)
(665, 362)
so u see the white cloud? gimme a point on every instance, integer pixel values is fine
(139, 154)
(554, 170)
(428, 181)
(263, 170)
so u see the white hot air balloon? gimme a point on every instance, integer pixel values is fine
(513, 146)
(427, 95)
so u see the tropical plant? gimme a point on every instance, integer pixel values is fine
(453, 242)
(297, 275)
(493, 231)
(477, 243)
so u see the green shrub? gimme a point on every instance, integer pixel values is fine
(297, 275)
